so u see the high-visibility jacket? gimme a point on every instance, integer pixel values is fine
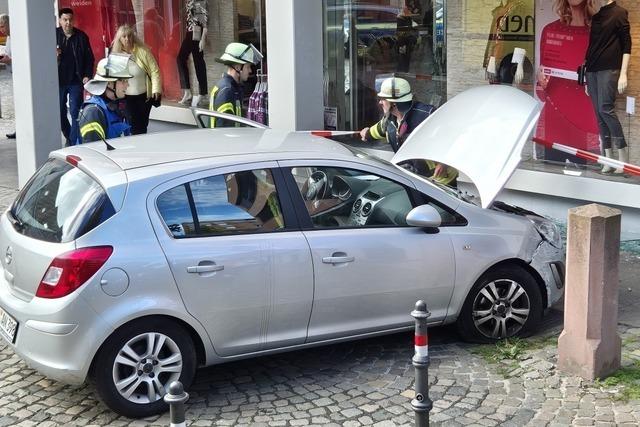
(396, 133)
(226, 97)
(100, 120)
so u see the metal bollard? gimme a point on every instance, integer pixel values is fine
(421, 403)
(176, 398)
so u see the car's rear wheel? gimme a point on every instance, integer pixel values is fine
(505, 302)
(136, 364)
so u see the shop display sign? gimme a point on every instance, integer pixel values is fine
(563, 31)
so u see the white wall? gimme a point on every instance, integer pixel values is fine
(35, 91)
(294, 60)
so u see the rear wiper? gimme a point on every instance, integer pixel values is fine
(15, 221)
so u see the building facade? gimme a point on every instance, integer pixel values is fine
(325, 59)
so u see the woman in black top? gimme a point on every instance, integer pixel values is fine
(606, 62)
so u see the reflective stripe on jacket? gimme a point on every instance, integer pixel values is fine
(226, 97)
(109, 125)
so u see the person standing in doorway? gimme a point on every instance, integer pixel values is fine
(6, 58)
(75, 68)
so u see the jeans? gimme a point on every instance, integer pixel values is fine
(70, 130)
(603, 88)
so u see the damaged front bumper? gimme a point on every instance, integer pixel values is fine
(548, 261)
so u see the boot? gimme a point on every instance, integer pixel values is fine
(608, 152)
(623, 157)
(186, 97)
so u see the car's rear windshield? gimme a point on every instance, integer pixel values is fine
(59, 204)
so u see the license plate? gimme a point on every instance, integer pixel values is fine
(8, 326)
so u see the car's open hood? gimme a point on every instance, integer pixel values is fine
(480, 132)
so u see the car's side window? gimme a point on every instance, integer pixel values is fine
(238, 202)
(339, 197)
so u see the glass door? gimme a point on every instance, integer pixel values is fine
(364, 43)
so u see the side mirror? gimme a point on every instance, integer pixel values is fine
(424, 216)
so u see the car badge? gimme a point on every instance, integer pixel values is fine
(8, 255)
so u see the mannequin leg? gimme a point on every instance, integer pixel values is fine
(183, 69)
(623, 156)
(186, 97)
(201, 68)
(597, 83)
(608, 152)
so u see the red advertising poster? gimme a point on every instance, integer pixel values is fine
(163, 35)
(568, 116)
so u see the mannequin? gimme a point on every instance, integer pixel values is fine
(511, 34)
(197, 19)
(607, 61)
(567, 116)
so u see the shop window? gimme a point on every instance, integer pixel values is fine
(364, 43)
(164, 27)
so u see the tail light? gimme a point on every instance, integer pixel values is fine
(72, 269)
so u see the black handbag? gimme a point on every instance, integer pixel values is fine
(582, 73)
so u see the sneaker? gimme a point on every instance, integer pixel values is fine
(11, 135)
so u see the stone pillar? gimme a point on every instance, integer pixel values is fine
(35, 84)
(589, 346)
(295, 64)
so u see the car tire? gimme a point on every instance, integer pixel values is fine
(504, 303)
(144, 375)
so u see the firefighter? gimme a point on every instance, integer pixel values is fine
(226, 95)
(102, 116)
(402, 114)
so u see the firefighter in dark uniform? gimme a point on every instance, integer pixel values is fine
(402, 114)
(226, 95)
(102, 117)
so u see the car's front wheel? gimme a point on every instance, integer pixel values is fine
(505, 302)
(136, 364)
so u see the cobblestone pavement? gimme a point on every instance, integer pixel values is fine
(368, 382)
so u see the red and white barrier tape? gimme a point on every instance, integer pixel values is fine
(421, 345)
(330, 133)
(587, 155)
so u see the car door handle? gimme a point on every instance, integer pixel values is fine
(337, 259)
(205, 268)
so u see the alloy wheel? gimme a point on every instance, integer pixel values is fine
(145, 366)
(501, 308)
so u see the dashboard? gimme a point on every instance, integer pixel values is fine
(364, 200)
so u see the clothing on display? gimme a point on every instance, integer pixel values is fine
(197, 20)
(258, 102)
(609, 43)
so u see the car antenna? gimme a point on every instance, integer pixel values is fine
(109, 146)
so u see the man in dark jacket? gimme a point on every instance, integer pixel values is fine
(402, 114)
(75, 68)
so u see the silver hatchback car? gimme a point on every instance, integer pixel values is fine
(137, 263)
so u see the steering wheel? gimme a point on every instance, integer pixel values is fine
(316, 186)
